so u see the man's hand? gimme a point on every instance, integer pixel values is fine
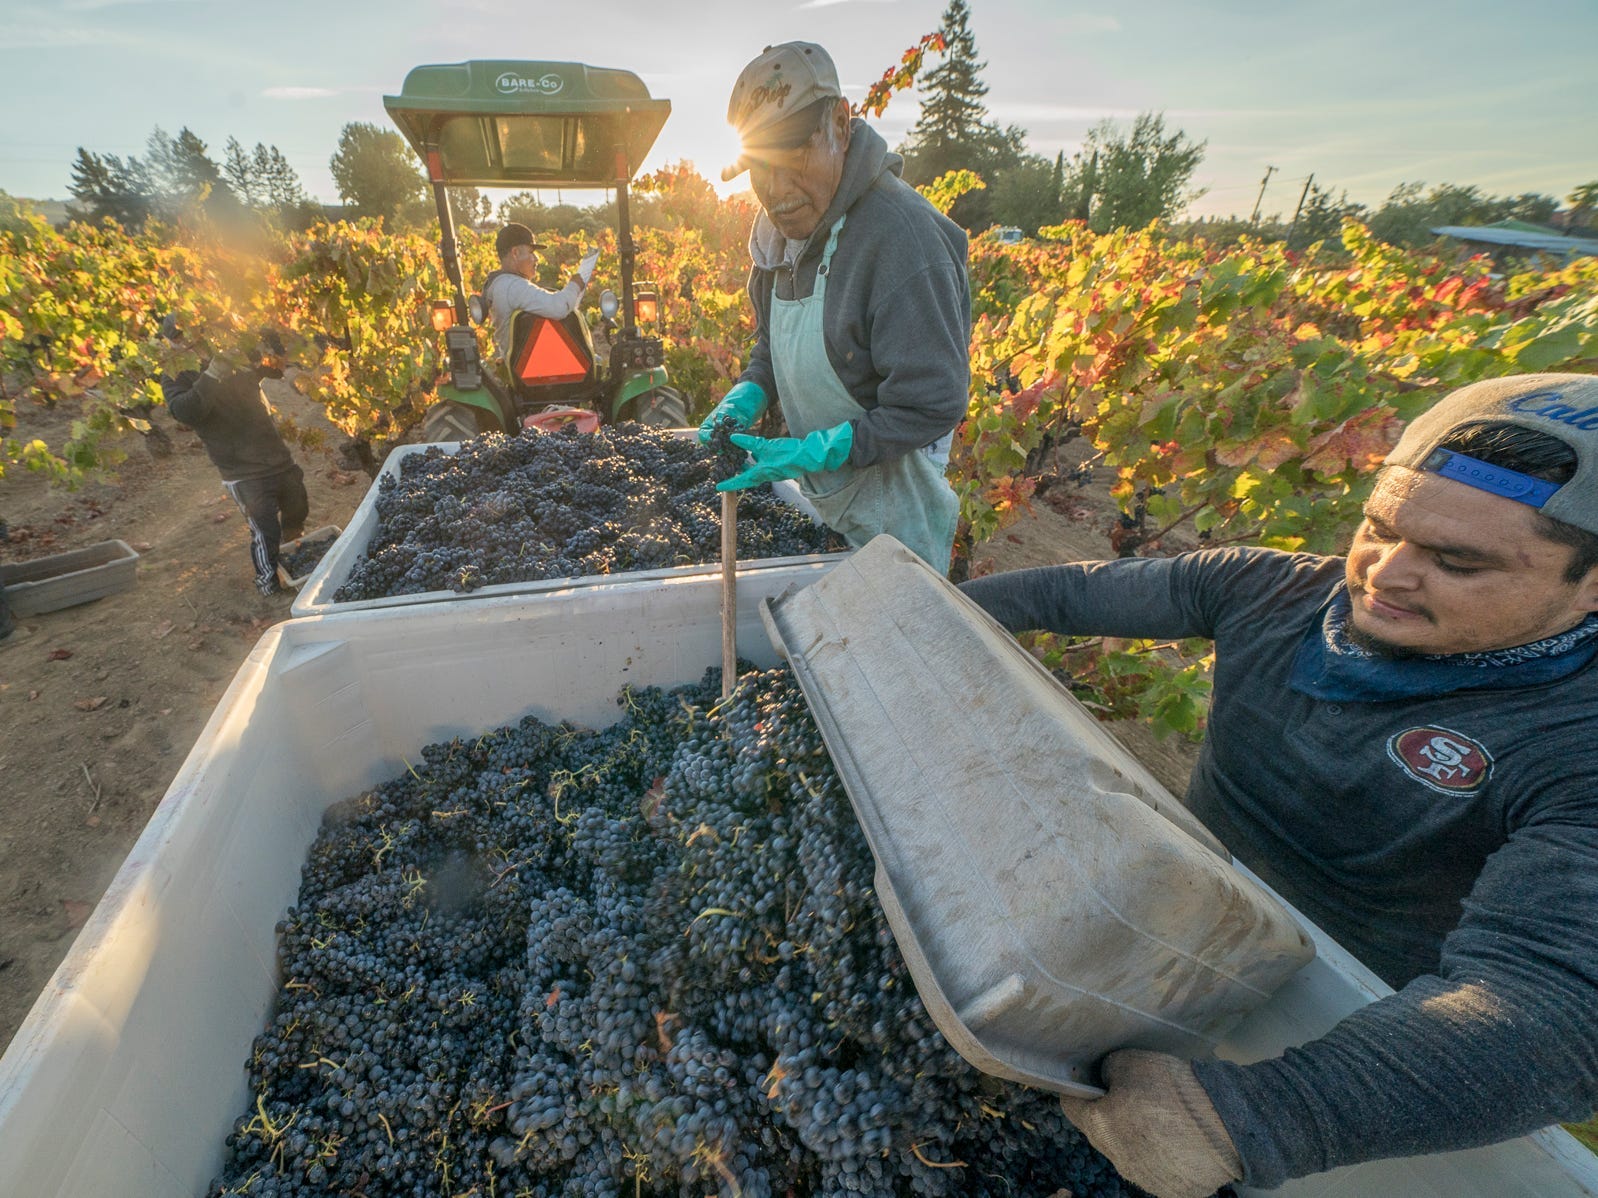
(586, 267)
(1157, 1126)
(744, 403)
(789, 457)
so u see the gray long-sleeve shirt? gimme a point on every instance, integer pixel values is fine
(507, 293)
(1450, 842)
(897, 320)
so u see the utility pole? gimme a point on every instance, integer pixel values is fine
(1255, 219)
(1300, 207)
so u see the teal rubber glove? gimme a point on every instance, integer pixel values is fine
(788, 457)
(744, 403)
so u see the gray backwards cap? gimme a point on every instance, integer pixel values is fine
(771, 103)
(1564, 406)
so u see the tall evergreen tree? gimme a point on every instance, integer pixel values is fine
(105, 185)
(263, 179)
(185, 175)
(284, 191)
(238, 168)
(953, 119)
(953, 131)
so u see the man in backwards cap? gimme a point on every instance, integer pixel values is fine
(511, 289)
(1404, 743)
(863, 307)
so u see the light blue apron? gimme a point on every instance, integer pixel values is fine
(907, 497)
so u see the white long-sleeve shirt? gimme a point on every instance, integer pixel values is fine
(506, 294)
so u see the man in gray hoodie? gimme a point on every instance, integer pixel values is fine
(863, 312)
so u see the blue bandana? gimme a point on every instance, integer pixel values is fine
(1330, 665)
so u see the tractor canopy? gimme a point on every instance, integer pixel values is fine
(540, 124)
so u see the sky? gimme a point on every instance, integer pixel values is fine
(1366, 94)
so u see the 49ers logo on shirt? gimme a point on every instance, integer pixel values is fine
(1445, 760)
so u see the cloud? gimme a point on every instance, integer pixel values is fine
(835, 3)
(299, 93)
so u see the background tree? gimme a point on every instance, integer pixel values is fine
(1027, 195)
(1583, 208)
(1322, 216)
(1410, 212)
(953, 131)
(238, 168)
(186, 177)
(1126, 179)
(470, 206)
(375, 172)
(106, 186)
(526, 208)
(263, 180)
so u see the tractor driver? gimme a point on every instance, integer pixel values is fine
(511, 289)
(1401, 743)
(863, 312)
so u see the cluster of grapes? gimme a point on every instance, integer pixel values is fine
(556, 963)
(564, 504)
(304, 557)
(730, 460)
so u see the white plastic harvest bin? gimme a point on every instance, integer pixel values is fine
(129, 1070)
(316, 594)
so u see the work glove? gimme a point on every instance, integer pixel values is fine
(744, 403)
(789, 457)
(585, 268)
(1157, 1126)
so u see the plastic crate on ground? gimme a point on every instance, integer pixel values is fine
(298, 580)
(66, 579)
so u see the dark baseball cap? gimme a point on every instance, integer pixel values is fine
(1563, 406)
(513, 235)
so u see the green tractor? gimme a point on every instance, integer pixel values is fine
(535, 125)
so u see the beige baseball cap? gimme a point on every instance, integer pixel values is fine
(1564, 406)
(775, 103)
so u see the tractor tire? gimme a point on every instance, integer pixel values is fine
(659, 407)
(453, 422)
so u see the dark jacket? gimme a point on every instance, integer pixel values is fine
(231, 417)
(1470, 881)
(898, 312)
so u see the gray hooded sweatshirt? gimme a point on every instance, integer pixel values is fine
(897, 320)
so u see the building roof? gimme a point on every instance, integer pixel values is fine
(1520, 238)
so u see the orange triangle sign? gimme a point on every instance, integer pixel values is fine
(551, 355)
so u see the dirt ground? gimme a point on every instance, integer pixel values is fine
(100, 704)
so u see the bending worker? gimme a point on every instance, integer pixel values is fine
(511, 289)
(863, 312)
(1401, 743)
(229, 412)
